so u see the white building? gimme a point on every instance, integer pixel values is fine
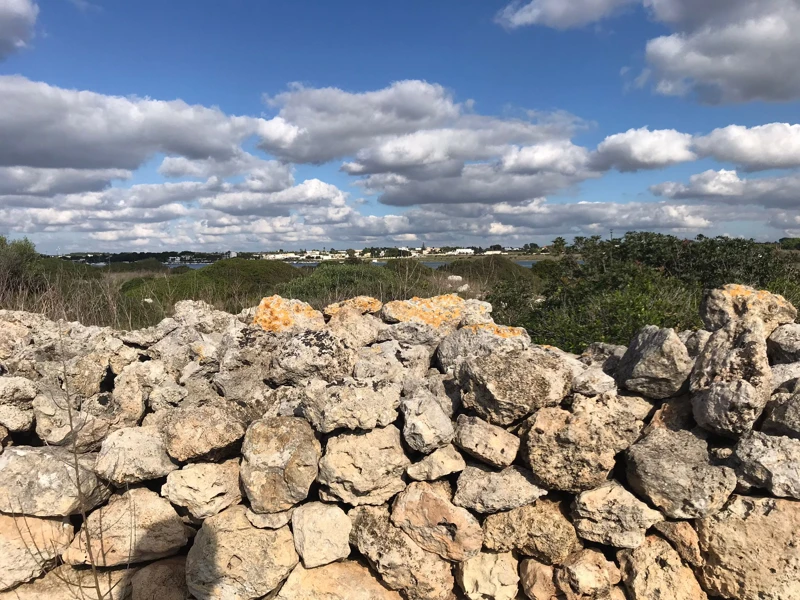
(464, 251)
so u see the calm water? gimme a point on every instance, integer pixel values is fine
(433, 264)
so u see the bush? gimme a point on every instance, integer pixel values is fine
(148, 265)
(488, 270)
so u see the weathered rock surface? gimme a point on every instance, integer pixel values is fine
(537, 580)
(232, 559)
(311, 355)
(67, 583)
(656, 364)
(684, 539)
(611, 515)
(200, 432)
(442, 462)
(363, 468)
(133, 455)
(321, 533)
(361, 304)
(161, 580)
(483, 490)
(488, 576)
(270, 520)
(733, 302)
(356, 329)
(279, 315)
(133, 527)
(351, 405)
(782, 416)
(587, 574)
(752, 549)
(783, 345)
(479, 340)
(281, 456)
(440, 312)
(672, 470)
(42, 482)
(654, 571)
(503, 387)
(426, 514)
(204, 489)
(347, 580)
(769, 462)
(486, 442)
(603, 355)
(16, 396)
(401, 563)
(541, 530)
(593, 382)
(694, 341)
(426, 426)
(29, 546)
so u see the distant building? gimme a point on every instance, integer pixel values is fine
(231, 254)
(489, 252)
(464, 251)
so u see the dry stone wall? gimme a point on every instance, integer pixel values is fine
(409, 450)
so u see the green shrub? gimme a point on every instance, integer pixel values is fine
(487, 270)
(148, 265)
(330, 283)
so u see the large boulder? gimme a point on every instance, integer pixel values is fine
(321, 533)
(401, 563)
(769, 462)
(654, 570)
(204, 489)
(479, 340)
(232, 559)
(279, 315)
(656, 364)
(356, 328)
(29, 546)
(16, 397)
(350, 404)
(486, 442)
(42, 482)
(363, 467)
(309, 355)
(504, 387)
(489, 576)
(424, 511)
(347, 580)
(200, 432)
(136, 526)
(540, 530)
(752, 550)
(426, 425)
(133, 455)
(281, 457)
(440, 312)
(444, 461)
(734, 302)
(483, 490)
(673, 471)
(611, 515)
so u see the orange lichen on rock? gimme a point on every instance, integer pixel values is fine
(276, 315)
(503, 331)
(735, 301)
(363, 304)
(437, 311)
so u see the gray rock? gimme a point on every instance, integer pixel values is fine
(426, 426)
(230, 558)
(783, 345)
(734, 302)
(603, 355)
(782, 416)
(486, 491)
(357, 329)
(133, 455)
(728, 408)
(41, 482)
(321, 533)
(769, 462)
(656, 364)
(270, 520)
(593, 382)
(16, 396)
(479, 340)
(694, 341)
(364, 467)
(673, 471)
(205, 431)
(309, 355)
(611, 515)
(204, 489)
(29, 546)
(486, 442)
(152, 383)
(442, 462)
(281, 456)
(350, 405)
(489, 576)
(785, 376)
(505, 386)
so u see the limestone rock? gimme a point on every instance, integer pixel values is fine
(488, 576)
(161, 580)
(540, 530)
(769, 462)
(16, 396)
(575, 451)
(381, 362)
(347, 580)
(503, 387)
(611, 515)
(321, 533)
(136, 526)
(486, 491)
(67, 583)
(153, 382)
(479, 340)
(729, 408)
(537, 580)
(684, 539)
(231, 559)
(364, 467)
(361, 304)
(672, 470)
(440, 312)
(132, 455)
(442, 462)
(41, 482)
(426, 426)
(311, 355)
(401, 563)
(204, 489)
(486, 442)
(694, 341)
(429, 518)
(752, 549)
(783, 416)
(734, 302)
(586, 574)
(209, 430)
(29, 546)
(270, 520)
(593, 382)
(603, 355)
(656, 364)
(785, 376)
(356, 329)
(654, 571)
(783, 345)
(279, 315)
(281, 456)
(350, 405)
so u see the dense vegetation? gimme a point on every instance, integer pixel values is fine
(598, 290)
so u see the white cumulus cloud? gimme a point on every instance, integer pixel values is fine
(17, 21)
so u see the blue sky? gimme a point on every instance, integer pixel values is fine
(258, 125)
